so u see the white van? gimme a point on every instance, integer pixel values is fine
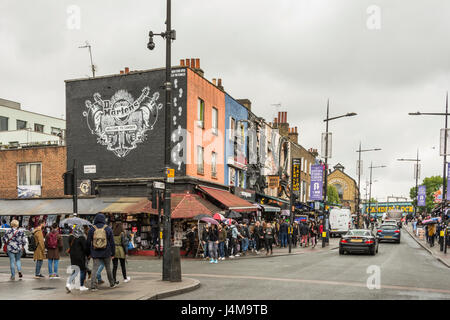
(340, 221)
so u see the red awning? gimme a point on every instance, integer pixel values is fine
(183, 206)
(229, 200)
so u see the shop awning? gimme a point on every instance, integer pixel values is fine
(128, 205)
(229, 200)
(273, 198)
(268, 208)
(35, 207)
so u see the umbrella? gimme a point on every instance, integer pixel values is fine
(218, 216)
(209, 220)
(74, 220)
(234, 214)
(200, 216)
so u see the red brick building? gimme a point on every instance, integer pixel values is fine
(33, 172)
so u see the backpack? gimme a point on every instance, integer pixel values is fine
(31, 243)
(99, 240)
(52, 242)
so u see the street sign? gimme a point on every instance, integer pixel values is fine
(159, 185)
(421, 196)
(90, 169)
(296, 174)
(170, 173)
(359, 167)
(316, 188)
(326, 153)
(442, 143)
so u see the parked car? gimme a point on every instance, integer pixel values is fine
(389, 232)
(28, 234)
(358, 240)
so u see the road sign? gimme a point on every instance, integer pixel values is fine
(158, 185)
(170, 173)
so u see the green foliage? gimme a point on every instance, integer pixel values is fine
(333, 195)
(433, 184)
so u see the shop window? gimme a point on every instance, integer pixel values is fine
(200, 160)
(3, 124)
(29, 174)
(21, 125)
(215, 121)
(214, 165)
(201, 113)
(38, 127)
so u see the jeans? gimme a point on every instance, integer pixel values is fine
(38, 267)
(53, 266)
(269, 242)
(107, 264)
(212, 249)
(74, 275)
(206, 250)
(245, 245)
(283, 239)
(14, 260)
(100, 269)
(222, 249)
(251, 244)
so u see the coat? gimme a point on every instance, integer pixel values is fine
(53, 253)
(78, 251)
(99, 222)
(39, 253)
(120, 250)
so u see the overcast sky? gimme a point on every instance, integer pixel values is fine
(380, 62)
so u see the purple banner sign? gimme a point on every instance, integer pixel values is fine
(316, 188)
(422, 196)
(448, 179)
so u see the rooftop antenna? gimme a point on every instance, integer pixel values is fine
(87, 45)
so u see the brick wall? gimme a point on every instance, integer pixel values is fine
(53, 160)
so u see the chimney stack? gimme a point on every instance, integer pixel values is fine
(182, 62)
(214, 81)
(197, 63)
(127, 70)
(219, 84)
(121, 72)
(192, 63)
(246, 103)
(188, 63)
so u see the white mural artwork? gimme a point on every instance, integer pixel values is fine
(121, 123)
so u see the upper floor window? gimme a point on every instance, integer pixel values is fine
(3, 124)
(200, 160)
(29, 174)
(56, 132)
(214, 164)
(21, 125)
(201, 113)
(232, 128)
(215, 120)
(38, 127)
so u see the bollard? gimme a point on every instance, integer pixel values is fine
(175, 272)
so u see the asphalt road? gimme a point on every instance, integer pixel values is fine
(406, 271)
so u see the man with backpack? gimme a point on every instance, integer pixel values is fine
(53, 243)
(101, 246)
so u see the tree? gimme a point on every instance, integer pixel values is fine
(333, 195)
(432, 184)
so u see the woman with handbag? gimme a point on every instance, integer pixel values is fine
(14, 242)
(121, 242)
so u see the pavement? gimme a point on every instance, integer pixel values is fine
(434, 251)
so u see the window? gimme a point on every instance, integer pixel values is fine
(29, 174)
(200, 160)
(3, 124)
(232, 127)
(200, 113)
(38, 127)
(215, 120)
(214, 164)
(241, 179)
(232, 177)
(242, 133)
(21, 124)
(56, 132)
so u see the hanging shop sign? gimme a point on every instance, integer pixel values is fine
(274, 182)
(296, 174)
(316, 188)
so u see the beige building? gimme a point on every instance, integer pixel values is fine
(346, 186)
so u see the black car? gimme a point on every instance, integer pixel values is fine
(359, 240)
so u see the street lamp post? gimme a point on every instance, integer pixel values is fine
(444, 179)
(326, 163)
(359, 166)
(417, 160)
(370, 184)
(170, 271)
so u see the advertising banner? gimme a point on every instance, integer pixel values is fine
(448, 179)
(421, 196)
(316, 188)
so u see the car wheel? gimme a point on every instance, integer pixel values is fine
(341, 251)
(372, 252)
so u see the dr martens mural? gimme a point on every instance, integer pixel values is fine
(117, 124)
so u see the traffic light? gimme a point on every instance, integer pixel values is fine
(68, 183)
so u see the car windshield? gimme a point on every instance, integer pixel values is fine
(359, 233)
(389, 227)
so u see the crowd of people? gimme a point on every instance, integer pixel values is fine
(100, 243)
(218, 242)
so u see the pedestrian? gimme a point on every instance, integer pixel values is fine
(222, 240)
(101, 248)
(295, 234)
(213, 243)
(229, 240)
(268, 237)
(14, 240)
(191, 235)
(53, 243)
(234, 240)
(313, 234)
(205, 241)
(78, 250)
(283, 234)
(304, 234)
(245, 238)
(120, 254)
(259, 236)
(39, 253)
(431, 234)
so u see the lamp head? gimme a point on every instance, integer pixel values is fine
(351, 114)
(150, 44)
